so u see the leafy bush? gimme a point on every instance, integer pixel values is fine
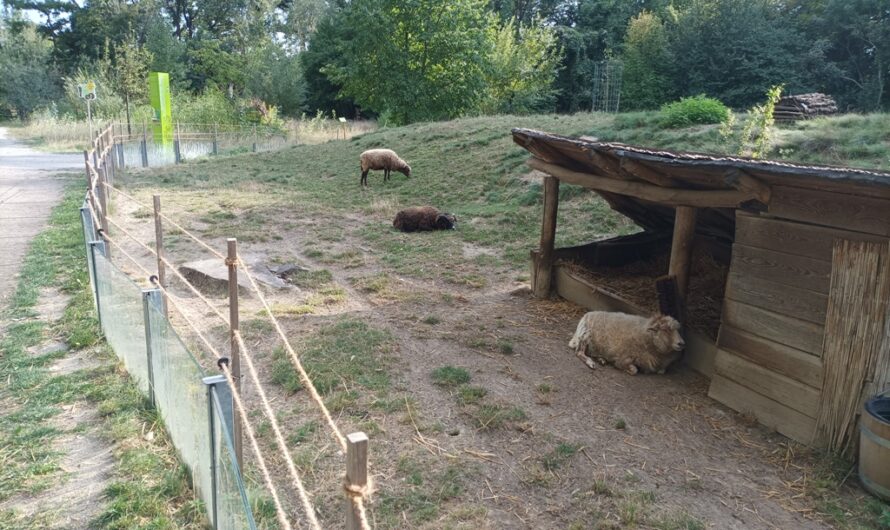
(692, 111)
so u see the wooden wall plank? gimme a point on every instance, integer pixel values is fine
(783, 329)
(796, 364)
(793, 394)
(851, 212)
(791, 237)
(787, 421)
(785, 299)
(788, 269)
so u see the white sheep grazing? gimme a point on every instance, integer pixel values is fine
(384, 159)
(632, 343)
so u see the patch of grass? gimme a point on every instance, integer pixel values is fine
(337, 357)
(450, 376)
(678, 521)
(505, 347)
(470, 395)
(421, 497)
(312, 279)
(150, 488)
(492, 416)
(303, 433)
(620, 424)
(556, 458)
(431, 320)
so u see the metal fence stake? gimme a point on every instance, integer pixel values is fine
(94, 247)
(218, 387)
(176, 152)
(144, 145)
(232, 263)
(150, 296)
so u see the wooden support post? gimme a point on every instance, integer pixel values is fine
(215, 140)
(681, 250)
(159, 248)
(232, 263)
(254, 138)
(544, 266)
(356, 475)
(103, 217)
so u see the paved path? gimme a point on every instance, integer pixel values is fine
(28, 191)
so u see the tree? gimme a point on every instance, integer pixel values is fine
(520, 69)
(414, 60)
(324, 53)
(28, 79)
(131, 63)
(647, 82)
(734, 50)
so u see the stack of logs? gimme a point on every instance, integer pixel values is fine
(804, 106)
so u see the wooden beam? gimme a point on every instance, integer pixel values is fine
(681, 250)
(743, 181)
(647, 192)
(544, 270)
(644, 172)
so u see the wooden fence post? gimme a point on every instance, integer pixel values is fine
(159, 248)
(232, 263)
(544, 265)
(215, 140)
(254, 138)
(356, 475)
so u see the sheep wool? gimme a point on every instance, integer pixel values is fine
(632, 343)
(382, 159)
(423, 218)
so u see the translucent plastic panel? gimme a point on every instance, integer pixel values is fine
(181, 398)
(122, 318)
(233, 508)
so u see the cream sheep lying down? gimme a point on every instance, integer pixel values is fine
(632, 343)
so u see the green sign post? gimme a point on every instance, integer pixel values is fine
(159, 93)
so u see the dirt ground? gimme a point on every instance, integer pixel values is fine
(586, 449)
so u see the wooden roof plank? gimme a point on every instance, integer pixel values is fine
(657, 194)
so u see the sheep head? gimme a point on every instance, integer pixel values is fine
(446, 221)
(405, 170)
(665, 333)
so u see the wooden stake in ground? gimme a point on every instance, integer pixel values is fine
(232, 263)
(356, 476)
(159, 246)
(544, 266)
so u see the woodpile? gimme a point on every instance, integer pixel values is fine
(804, 106)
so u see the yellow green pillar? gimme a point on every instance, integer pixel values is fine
(159, 94)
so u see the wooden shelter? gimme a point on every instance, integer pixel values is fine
(794, 307)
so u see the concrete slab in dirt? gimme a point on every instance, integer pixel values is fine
(51, 304)
(47, 348)
(212, 276)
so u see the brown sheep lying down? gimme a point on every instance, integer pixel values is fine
(384, 159)
(423, 218)
(632, 343)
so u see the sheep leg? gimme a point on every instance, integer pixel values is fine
(364, 178)
(386, 175)
(627, 365)
(587, 360)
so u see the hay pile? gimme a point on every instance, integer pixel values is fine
(635, 283)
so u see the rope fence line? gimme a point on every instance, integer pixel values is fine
(356, 493)
(239, 405)
(171, 221)
(251, 368)
(304, 376)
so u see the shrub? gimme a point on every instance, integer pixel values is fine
(692, 111)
